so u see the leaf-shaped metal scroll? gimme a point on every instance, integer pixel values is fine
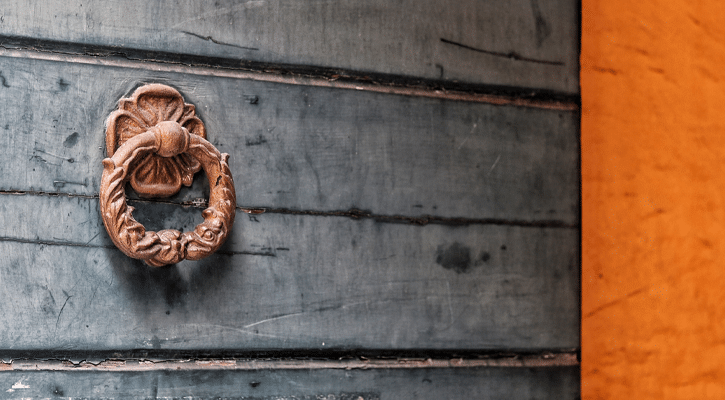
(154, 176)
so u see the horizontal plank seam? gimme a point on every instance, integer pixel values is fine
(330, 78)
(121, 365)
(420, 220)
(351, 213)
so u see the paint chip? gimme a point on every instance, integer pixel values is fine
(17, 385)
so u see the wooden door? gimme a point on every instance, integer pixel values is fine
(407, 178)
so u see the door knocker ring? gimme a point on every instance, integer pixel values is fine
(155, 141)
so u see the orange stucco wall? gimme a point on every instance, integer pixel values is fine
(653, 193)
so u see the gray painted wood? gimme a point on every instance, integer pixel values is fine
(283, 282)
(305, 148)
(461, 383)
(307, 281)
(524, 43)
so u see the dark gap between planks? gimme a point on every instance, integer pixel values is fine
(304, 71)
(352, 213)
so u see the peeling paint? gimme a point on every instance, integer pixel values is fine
(513, 361)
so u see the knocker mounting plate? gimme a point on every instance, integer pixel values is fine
(154, 175)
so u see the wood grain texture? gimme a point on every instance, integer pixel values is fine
(524, 43)
(305, 148)
(460, 383)
(284, 282)
(396, 223)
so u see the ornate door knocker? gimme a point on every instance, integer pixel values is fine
(156, 142)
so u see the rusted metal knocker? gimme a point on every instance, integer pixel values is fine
(156, 142)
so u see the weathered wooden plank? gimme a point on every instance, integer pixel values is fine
(459, 383)
(305, 148)
(283, 282)
(524, 43)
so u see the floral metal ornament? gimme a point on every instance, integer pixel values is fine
(159, 159)
(155, 176)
